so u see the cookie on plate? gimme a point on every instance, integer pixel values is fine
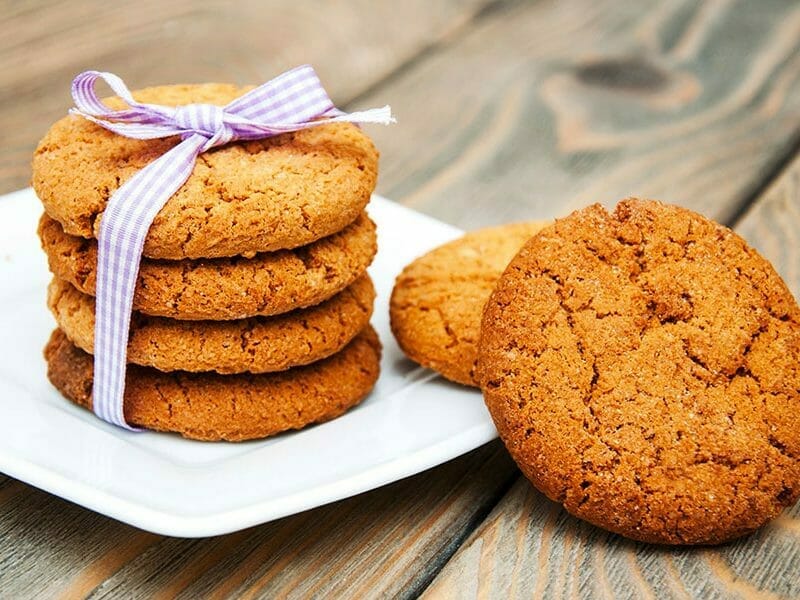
(208, 406)
(437, 300)
(254, 345)
(225, 288)
(241, 199)
(643, 369)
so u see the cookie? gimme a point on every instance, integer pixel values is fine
(225, 288)
(643, 369)
(241, 199)
(438, 299)
(255, 345)
(208, 406)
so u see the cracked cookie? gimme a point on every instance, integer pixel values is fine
(438, 299)
(225, 288)
(255, 345)
(643, 369)
(241, 199)
(208, 406)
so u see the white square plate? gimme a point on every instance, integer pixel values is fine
(411, 421)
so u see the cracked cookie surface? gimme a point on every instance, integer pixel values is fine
(438, 299)
(209, 406)
(255, 345)
(241, 198)
(643, 369)
(270, 283)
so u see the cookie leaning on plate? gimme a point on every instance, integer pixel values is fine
(643, 369)
(241, 199)
(254, 345)
(208, 406)
(438, 299)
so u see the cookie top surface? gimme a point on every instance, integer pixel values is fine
(270, 283)
(209, 406)
(438, 299)
(254, 345)
(643, 369)
(241, 198)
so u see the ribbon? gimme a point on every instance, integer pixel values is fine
(292, 101)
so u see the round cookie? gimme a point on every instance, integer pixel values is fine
(208, 406)
(643, 369)
(225, 288)
(438, 299)
(255, 345)
(242, 198)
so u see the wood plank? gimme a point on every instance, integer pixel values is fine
(384, 542)
(547, 107)
(529, 546)
(772, 225)
(46, 43)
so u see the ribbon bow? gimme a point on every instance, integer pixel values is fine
(292, 101)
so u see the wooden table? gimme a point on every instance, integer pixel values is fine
(507, 110)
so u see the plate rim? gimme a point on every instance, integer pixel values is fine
(164, 522)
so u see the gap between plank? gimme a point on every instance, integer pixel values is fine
(775, 173)
(429, 573)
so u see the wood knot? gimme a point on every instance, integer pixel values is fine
(622, 73)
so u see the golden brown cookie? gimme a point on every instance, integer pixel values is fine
(643, 369)
(225, 288)
(208, 406)
(242, 198)
(255, 345)
(438, 299)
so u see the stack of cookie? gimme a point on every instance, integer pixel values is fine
(252, 304)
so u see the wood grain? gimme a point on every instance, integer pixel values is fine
(45, 43)
(545, 107)
(530, 546)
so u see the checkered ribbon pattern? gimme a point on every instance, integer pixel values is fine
(292, 101)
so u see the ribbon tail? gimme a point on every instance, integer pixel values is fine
(381, 116)
(125, 222)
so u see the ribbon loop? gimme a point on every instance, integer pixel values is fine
(292, 101)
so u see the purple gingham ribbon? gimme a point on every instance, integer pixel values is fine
(292, 101)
